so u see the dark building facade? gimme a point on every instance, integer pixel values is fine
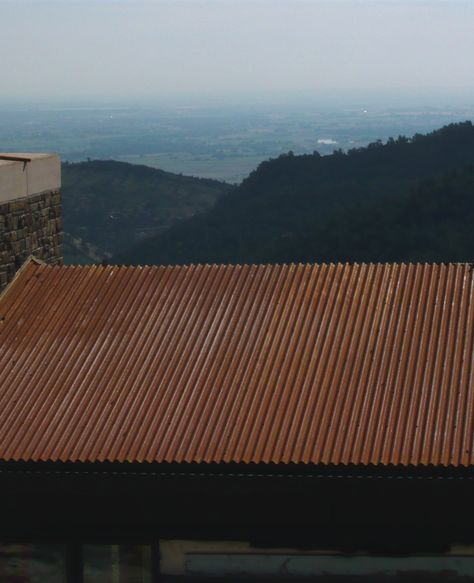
(146, 525)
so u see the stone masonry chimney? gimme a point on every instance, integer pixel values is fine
(30, 211)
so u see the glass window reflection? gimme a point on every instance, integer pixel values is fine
(117, 564)
(31, 563)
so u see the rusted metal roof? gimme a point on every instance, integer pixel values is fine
(340, 364)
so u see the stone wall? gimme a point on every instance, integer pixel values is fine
(30, 225)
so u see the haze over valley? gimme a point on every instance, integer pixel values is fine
(219, 141)
(168, 112)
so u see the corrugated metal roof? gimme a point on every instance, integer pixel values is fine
(362, 364)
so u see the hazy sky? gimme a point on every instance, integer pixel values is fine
(144, 49)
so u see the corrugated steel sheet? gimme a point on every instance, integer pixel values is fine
(362, 364)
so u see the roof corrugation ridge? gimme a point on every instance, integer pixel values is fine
(276, 436)
(362, 332)
(240, 349)
(205, 400)
(140, 373)
(465, 416)
(11, 422)
(294, 363)
(112, 346)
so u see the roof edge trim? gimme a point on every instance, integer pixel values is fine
(30, 259)
(236, 470)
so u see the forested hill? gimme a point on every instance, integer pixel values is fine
(109, 206)
(406, 200)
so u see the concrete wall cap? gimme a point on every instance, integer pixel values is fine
(19, 179)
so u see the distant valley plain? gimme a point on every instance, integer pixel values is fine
(110, 205)
(222, 142)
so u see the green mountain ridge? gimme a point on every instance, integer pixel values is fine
(410, 199)
(109, 206)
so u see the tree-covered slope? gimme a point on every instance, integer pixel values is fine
(390, 201)
(433, 221)
(109, 206)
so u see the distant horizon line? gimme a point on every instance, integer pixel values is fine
(429, 96)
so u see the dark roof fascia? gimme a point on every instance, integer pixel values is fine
(235, 470)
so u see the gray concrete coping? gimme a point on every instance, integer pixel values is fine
(24, 174)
